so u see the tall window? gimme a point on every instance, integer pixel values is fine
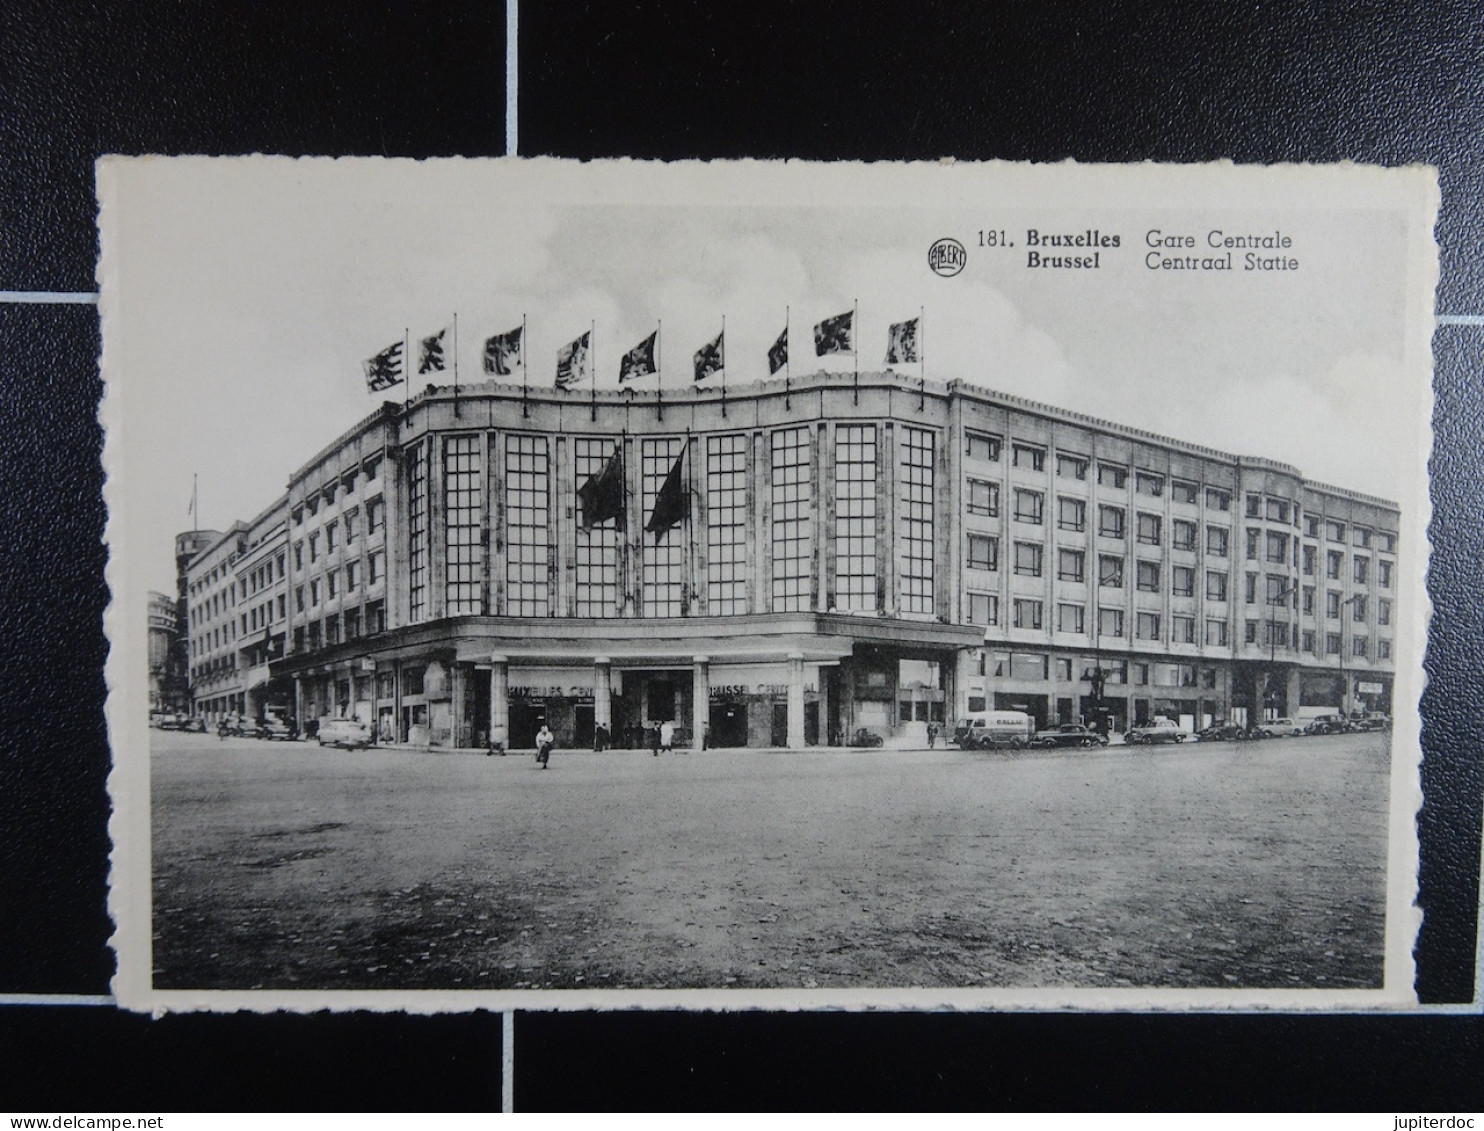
(855, 517)
(791, 518)
(664, 554)
(726, 525)
(596, 546)
(984, 497)
(1071, 514)
(417, 536)
(915, 522)
(463, 474)
(527, 511)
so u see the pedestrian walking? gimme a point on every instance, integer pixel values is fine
(667, 736)
(932, 735)
(545, 740)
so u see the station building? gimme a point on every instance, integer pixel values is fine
(786, 563)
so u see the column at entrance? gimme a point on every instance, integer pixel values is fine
(795, 700)
(602, 702)
(825, 725)
(700, 713)
(500, 702)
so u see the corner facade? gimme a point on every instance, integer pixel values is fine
(872, 554)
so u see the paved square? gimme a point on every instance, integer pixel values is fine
(1222, 865)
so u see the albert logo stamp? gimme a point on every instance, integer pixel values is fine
(947, 257)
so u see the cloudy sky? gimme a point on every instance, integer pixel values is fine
(241, 297)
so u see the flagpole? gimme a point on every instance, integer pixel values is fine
(723, 366)
(525, 371)
(195, 502)
(592, 361)
(787, 374)
(855, 349)
(659, 372)
(406, 371)
(921, 365)
(456, 363)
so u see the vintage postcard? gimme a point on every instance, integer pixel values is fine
(735, 585)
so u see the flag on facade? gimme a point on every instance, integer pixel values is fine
(711, 358)
(672, 504)
(639, 361)
(778, 353)
(432, 356)
(835, 335)
(901, 343)
(385, 369)
(574, 361)
(602, 494)
(502, 353)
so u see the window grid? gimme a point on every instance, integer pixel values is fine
(916, 524)
(855, 517)
(417, 539)
(596, 562)
(664, 555)
(792, 510)
(726, 525)
(527, 507)
(463, 496)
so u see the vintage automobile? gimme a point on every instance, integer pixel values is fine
(1328, 724)
(1155, 730)
(1069, 734)
(1374, 720)
(1282, 728)
(275, 729)
(1226, 732)
(349, 734)
(865, 738)
(996, 730)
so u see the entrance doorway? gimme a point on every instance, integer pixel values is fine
(525, 720)
(728, 725)
(582, 725)
(779, 736)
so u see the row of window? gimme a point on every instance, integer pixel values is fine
(1028, 613)
(1067, 669)
(339, 627)
(986, 447)
(345, 485)
(338, 532)
(332, 583)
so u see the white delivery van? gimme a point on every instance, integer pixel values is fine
(995, 729)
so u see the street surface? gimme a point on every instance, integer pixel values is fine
(1224, 865)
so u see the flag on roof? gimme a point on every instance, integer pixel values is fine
(835, 335)
(385, 369)
(431, 354)
(639, 361)
(711, 358)
(672, 504)
(502, 353)
(901, 343)
(574, 362)
(778, 353)
(602, 495)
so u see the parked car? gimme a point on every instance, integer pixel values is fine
(1281, 728)
(1226, 732)
(1328, 724)
(1155, 730)
(865, 738)
(349, 734)
(1069, 734)
(193, 723)
(273, 728)
(996, 730)
(1375, 720)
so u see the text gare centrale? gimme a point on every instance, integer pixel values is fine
(1215, 250)
(1170, 251)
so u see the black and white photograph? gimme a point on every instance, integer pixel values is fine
(550, 585)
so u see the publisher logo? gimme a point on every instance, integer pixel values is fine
(947, 257)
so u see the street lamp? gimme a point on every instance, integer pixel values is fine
(1280, 599)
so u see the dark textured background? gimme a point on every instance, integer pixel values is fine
(1254, 83)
